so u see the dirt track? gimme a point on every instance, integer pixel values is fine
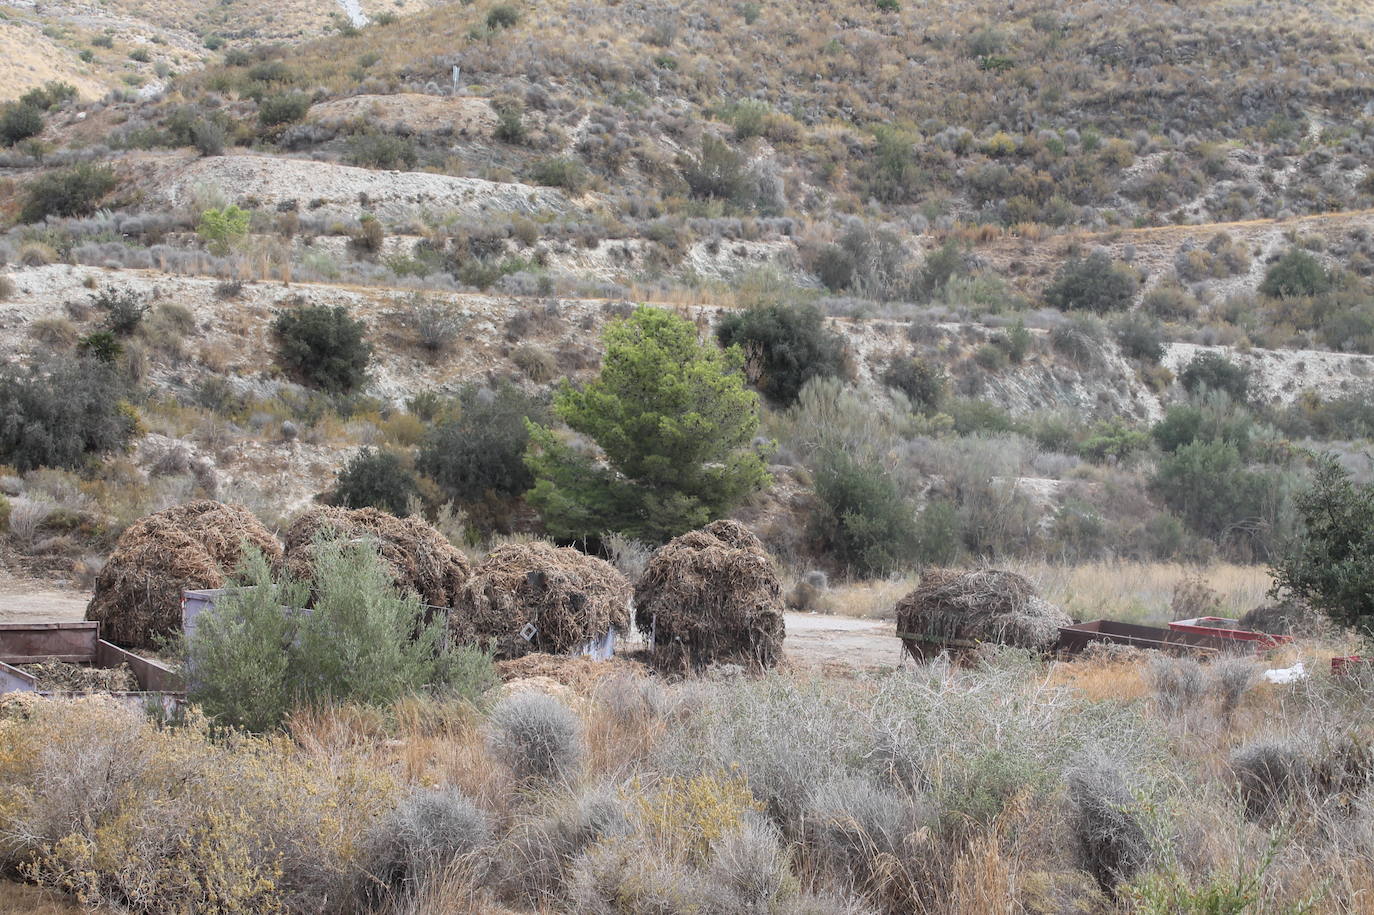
(813, 639)
(817, 640)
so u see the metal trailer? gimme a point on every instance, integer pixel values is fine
(1224, 628)
(1076, 638)
(80, 643)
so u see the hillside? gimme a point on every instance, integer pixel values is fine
(929, 179)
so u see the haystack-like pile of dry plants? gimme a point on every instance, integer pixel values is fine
(710, 596)
(421, 560)
(985, 605)
(188, 547)
(59, 676)
(1287, 616)
(566, 597)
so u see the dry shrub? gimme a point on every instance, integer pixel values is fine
(414, 846)
(1193, 598)
(1107, 825)
(60, 676)
(537, 737)
(986, 605)
(1289, 616)
(569, 598)
(711, 595)
(861, 831)
(193, 546)
(420, 560)
(103, 804)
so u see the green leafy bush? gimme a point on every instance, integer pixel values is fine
(1212, 371)
(1091, 283)
(561, 171)
(73, 191)
(674, 422)
(380, 150)
(62, 413)
(861, 518)
(1331, 565)
(480, 453)
(252, 660)
(124, 310)
(1208, 485)
(1115, 440)
(323, 346)
(717, 172)
(922, 383)
(223, 229)
(502, 16)
(377, 479)
(1297, 273)
(19, 122)
(285, 108)
(1140, 338)
(785, 346)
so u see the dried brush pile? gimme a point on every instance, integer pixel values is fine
(421, 559)
(566, 596)
(188, 547)
(59, 676)
(986, 605)
(1289, 616)
(711, 595)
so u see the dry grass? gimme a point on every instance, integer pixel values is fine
(1141, 592)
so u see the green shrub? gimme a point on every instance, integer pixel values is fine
(252, 661)
(48, 96)
(377, 479)
(102, 346)
(284, 108)
(1331, 565)
(785, 346)
(861, 518)
(1212, 371)
(510, 125)
(124, 310)
(380, 150)
(1016, 341)
(1209, 487)
(675, 423)
(363, 642)
(223, 229)
(1140, 338)
(971, 416)
(323, 346)
(938, 535)
(922, 383)
(19, 122)
(1091, 283)
(870, 262)
(480, 453)
(208, 137)
(1115, 440)
(73, 191)
(502, 16)
(991, 357)
(560, 171)
(62, 413)
(717, 172)
(1297, 273)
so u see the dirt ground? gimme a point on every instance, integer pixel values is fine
(813, 639)
(818, 640)
(24, 601)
